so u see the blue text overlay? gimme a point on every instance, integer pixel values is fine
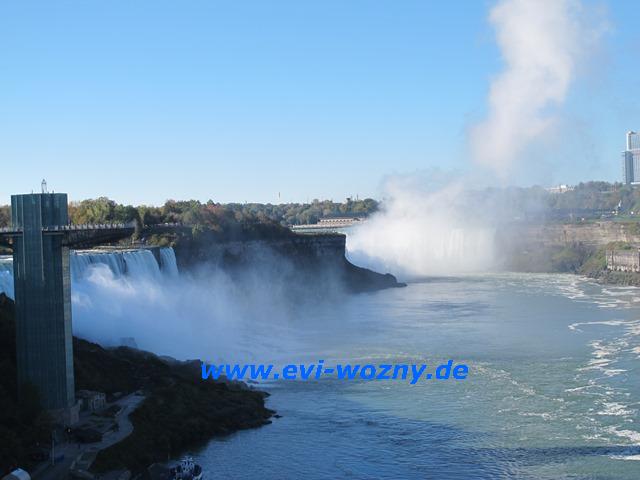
(410, 372)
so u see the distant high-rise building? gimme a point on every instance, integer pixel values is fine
(633, 140)
(631, 159)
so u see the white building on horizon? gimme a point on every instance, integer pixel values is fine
(562, 188)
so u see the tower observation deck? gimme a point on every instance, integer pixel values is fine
(40, 237)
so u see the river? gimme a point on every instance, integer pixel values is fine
(553, 390)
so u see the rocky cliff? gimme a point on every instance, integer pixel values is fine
(574, 248)
(318, 259)
(592, 234)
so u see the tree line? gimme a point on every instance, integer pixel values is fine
(211, 214)
(587, 199)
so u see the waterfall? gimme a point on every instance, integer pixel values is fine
(141, 264)
(168, 261)
(134, 264)
(82, 262)
(137, 298)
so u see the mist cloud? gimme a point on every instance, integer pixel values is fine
(425, 229)
(543, 43)
(266, 310)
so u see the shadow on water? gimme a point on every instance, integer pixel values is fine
(326, 435)
(458, 309)
(443, 279)
(535, 456)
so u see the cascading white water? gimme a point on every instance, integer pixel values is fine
(82, 262)
(133, 264)
(141, 264)
(168, 262)
(426, 229)
(122, 297)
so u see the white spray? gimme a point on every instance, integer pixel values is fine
(424, 230)
(543, 43)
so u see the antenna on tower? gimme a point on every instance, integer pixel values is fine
(44, 186)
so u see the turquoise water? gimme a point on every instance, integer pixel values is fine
(553, 390)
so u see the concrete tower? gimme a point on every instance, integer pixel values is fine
(40, 237)
(43, 298)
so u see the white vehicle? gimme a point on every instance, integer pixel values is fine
(17, 474)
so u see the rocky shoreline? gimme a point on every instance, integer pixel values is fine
(179, 411)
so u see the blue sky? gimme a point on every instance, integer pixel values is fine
(238, 101)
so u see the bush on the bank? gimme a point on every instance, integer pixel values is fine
(595, 264)
(570, 258)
